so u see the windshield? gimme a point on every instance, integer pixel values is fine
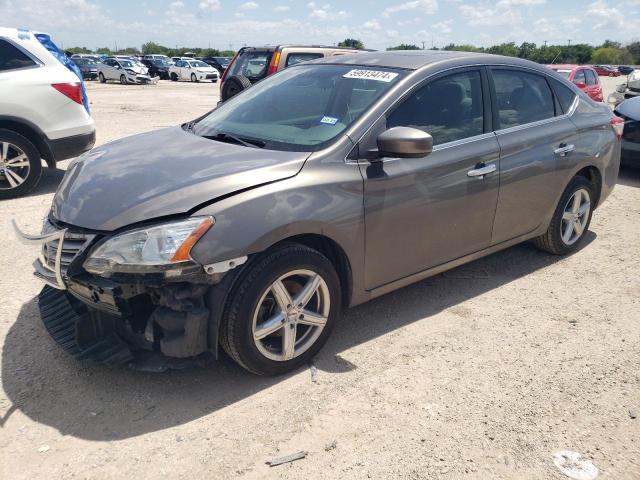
(224, 61)
(159, 63)
(251, 64)
(303, 108)
(126, 63)
(199, 64)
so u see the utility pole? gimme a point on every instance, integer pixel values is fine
(545, 43)
(569, 42)
(423, 44)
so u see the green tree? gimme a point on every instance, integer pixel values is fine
(352, 43)
(75, 50)
(611, 55)
(462, 48)
(405, 46)
(634, 50)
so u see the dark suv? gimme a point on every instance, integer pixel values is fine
(219, 63)
(157, 68)
(255, 63)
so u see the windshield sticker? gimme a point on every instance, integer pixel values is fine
(329, 120)
(378, 75)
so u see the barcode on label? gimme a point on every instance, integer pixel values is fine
(378, 75)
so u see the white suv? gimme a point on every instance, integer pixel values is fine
(44, 111)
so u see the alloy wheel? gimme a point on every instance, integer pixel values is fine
(575, 216)
(291, 314)
(14, 166)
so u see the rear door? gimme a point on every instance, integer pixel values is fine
(536, 140)
(422, 212)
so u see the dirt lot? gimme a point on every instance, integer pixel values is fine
(482, 372)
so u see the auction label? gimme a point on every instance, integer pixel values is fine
(378, 75)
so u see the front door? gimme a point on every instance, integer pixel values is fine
(422, 212)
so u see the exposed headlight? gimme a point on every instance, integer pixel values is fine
(146, 250)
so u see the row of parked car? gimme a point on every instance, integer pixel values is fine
(149, 68)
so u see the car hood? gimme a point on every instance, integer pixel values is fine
(160, 173)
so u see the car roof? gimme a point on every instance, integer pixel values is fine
(415, 59)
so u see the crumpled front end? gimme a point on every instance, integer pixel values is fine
(146, 322)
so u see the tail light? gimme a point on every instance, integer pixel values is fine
(617, 124)
(273, 66)
(70, 90)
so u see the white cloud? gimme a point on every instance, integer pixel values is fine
(372, 25)
(249, 6)
(427, 7)
(608, 17)
(443, 27)
(282, 8)
(518, 3)
(326, 12)
(479, 15)
(209, 5)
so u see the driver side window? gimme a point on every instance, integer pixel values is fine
(449, 108)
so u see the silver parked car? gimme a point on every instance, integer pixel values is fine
(321, 187)
(123, 70)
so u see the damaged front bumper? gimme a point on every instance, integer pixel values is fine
(142, 321)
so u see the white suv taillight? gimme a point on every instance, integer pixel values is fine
(71, 90)
(617, 124)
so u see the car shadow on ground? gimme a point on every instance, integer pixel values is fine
(629, 177)
(99, 403)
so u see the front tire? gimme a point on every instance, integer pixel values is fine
(281, 311)
(570, 220)
(194, 78)
(20, 165)
(123, 79)
(174, 77)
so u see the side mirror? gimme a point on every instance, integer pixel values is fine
(404, 142)
(581, 85)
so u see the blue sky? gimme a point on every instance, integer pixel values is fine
(225, 23)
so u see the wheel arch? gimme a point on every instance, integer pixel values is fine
(336, 255)
(31, 133)
(593, 174)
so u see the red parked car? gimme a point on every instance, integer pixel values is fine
(606, 71)
(585, 78)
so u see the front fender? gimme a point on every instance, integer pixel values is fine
(323, 199)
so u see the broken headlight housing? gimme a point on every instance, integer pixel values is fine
(152, 249)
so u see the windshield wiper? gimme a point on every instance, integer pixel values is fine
(227, 137)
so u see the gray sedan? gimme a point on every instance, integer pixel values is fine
(321, 187)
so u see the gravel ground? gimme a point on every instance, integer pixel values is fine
(482, 372)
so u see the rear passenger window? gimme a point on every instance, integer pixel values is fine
(580, 77)
(449, 108)
(522, 98)
(565, 95)
(591, 77)
(11, 58)
(294, 58)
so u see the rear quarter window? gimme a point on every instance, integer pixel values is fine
(295, 58)
(565, 95)
(12, 58)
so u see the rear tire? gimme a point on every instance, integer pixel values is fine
(101, 78)
(258, 301)
(20, 165)
(570, 220)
